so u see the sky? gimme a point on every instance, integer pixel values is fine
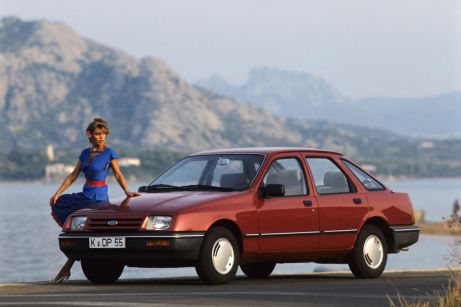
(392, 48)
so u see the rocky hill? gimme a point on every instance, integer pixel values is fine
(304, 96)
(53, 82)
(278, 91)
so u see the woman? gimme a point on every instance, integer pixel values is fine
(95, 162)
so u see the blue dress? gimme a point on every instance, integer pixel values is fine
(94, 170)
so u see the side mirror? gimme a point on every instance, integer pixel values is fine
(142, 189)
(273, 190)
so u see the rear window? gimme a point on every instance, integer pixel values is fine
(367, 181)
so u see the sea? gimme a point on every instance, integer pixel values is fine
(29, 248)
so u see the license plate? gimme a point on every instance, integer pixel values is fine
(107, 242)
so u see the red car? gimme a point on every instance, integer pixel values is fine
(252, 207)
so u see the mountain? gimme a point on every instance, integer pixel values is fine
(304, 96)
(278, 91)
(437, 116)
(53, 82)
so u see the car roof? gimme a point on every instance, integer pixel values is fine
(264, 150)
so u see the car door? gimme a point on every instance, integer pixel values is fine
(341, 208)
(289, 222)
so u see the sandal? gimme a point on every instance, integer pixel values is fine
(60, 279)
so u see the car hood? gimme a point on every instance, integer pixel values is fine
(167, 202)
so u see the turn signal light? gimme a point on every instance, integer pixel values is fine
(155, 243)
(67, 243)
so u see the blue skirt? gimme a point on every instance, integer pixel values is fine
(68, 203)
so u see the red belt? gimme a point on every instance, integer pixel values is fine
(95, 183)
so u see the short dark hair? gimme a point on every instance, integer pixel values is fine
(98, 123)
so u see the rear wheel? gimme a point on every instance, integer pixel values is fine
(219, 257)
(369, 256)
(258, 269)
(102, 271)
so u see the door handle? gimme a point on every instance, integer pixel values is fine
(357, 201)
(307, 203)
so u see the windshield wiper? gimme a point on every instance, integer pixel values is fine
(161, 187)
(206, 187)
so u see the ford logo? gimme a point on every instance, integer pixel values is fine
(112, 223)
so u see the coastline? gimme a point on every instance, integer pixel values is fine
(439, 228)
(110, 179)
(132, 179)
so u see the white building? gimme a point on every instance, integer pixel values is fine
(427, 145)
(50, 152)
(369, 168)
(58, 170)
(129, 162)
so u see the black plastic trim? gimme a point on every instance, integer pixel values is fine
(183, 248)
(404, 236)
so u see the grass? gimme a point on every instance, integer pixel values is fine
(437, 228)
(451, 296)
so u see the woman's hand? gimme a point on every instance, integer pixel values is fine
(66, 183)
(132, 194)
(121, 179)
(54, 199)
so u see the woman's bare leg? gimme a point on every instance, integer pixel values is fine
(65, 270)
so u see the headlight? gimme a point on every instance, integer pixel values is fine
(156, 223)
(78, 223)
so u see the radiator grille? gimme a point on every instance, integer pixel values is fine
(123, 224)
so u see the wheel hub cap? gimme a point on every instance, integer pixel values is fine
(373, 251)
(222, 256)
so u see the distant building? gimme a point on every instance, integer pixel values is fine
(427, 145)
(50, 152)
(129, 162)
(419, 216)
(58, 170)
(369, 168)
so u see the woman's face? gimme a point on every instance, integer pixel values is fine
(98, 137)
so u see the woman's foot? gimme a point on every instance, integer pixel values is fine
(62, 276)
(64, 273)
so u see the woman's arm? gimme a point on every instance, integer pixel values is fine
(121, 179)
(66, 183)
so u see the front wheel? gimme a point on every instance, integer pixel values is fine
(369, 256)
(102, 271)
(219, 257)
(258, 269)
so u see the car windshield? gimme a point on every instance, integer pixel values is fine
(223, 172)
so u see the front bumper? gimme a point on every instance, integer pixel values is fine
(178, 248)
(404, 236)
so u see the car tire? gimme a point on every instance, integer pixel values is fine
(102, 271)
(219, 257)
(369, 257)
(258, 269)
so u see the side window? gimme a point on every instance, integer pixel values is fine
(368, 182)
(328, 178)
(287, 171)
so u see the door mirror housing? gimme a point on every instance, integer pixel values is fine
(273, 190)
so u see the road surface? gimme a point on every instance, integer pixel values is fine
(311, 289)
